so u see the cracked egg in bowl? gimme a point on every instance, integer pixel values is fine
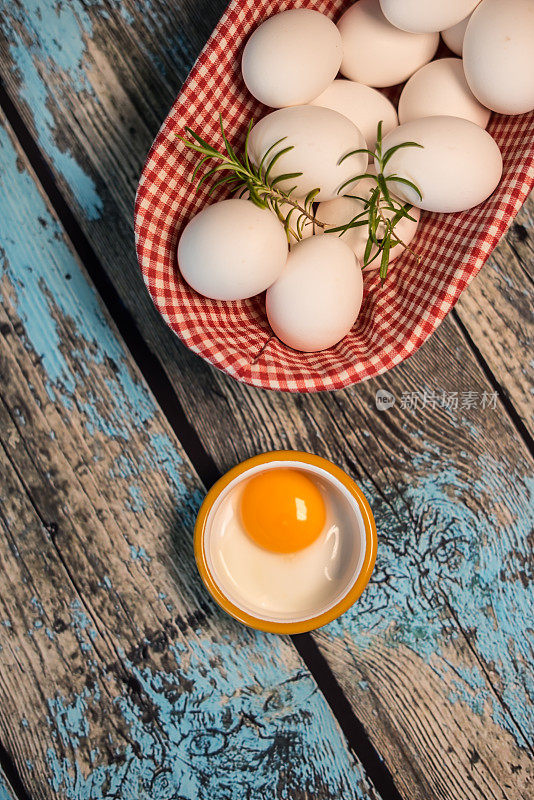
(285, 542)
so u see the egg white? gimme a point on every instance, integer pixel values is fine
(284, 585)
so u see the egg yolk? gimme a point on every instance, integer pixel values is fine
(282, 510)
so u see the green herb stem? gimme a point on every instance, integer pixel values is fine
(264, 191)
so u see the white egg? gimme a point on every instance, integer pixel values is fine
(344, 209)
(377, 53)
(426, 16)
(362, 105)
(291, 58)
(319, 137)
(458, 166)
(454, 36)
(232, 250)
(440, 89)
(499, 55)
(285, 585)
(317, 299)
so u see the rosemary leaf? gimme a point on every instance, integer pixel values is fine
(273, 161)
(391, 152)
(281, 178)
(397, 179)
(267, 154)
(355, 153)
(367, 252)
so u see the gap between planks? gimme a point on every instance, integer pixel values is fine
(507, 403)
(156, 376)
(160, 385)
(11, 787)
(390, 790)
(217, 383)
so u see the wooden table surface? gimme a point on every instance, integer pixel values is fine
(119, 677)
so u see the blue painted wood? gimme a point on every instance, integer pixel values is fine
(6, 792)
(36, 31)
(437, 656)
(119, 677)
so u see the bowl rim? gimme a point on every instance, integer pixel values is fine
(354, 591)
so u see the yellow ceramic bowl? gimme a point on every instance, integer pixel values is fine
(364, 529)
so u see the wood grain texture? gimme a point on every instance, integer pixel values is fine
(497, 311)
(435, 659)
(436, 656)
(119, 678)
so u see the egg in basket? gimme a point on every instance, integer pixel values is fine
(331, 265)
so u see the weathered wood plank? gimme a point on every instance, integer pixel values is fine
(497, 312)
(442, 685)
(436, 657)
(119, 678)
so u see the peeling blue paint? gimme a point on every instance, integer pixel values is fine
(61, 32)
(139, 554)
(37, 606)
(81, 625)
(70, 719)
(452, 562)
(137, 503)
(5, 790)
(188, 499)
(203, 749)
(125, 468)
(55, 41)
(37, 289)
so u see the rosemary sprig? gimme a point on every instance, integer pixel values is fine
(240, 175)
(381, 212)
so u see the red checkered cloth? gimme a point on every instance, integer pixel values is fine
(395, 319)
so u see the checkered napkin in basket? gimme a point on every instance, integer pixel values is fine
(395, 319)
